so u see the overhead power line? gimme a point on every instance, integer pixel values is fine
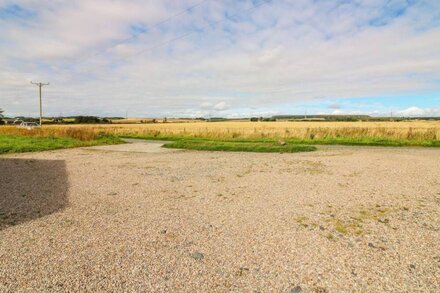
(157, 24)
(161, 44)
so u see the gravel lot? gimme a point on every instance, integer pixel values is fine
(342, 219)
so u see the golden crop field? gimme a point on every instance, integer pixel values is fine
(410, 130)
(303, 130)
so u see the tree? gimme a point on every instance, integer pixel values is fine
(1, 116)
(90, 120)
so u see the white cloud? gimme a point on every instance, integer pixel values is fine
(416, 111)
(218, 106)
(221, 106)
(407, 112)
(345, 112)
(412, 111)
(284, 52)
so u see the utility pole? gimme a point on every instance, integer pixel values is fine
(40, 85)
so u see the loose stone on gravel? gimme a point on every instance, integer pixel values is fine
(296, 289)
(197, 256)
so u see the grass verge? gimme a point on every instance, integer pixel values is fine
(260, 147)
(360, 141)
(19, 144)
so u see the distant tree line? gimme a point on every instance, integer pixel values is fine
(91, 120)
(256, 119)
(311, 118)
(76, 120)
(216, 119)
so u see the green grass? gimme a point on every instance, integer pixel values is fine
(361, 141)
(19, 144)
(261, 147)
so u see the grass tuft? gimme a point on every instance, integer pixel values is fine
(261, 147)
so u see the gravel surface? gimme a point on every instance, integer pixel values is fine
(135, 146)
(337, 220)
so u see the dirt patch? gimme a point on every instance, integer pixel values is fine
(134, 146)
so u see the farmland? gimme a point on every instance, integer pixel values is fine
(220, 146)
(155, 217)
(413, 130)
(259, 136)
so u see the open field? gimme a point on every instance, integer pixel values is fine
(14, 140)
(340, 219)
(414, 130)
(382, 133)
(229, 136)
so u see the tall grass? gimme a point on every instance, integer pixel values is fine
(83, 133)
(17, 140)
(413, 131)
(409, 133)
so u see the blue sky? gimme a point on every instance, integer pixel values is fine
(221, 57)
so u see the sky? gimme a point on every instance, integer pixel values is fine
(220, 58)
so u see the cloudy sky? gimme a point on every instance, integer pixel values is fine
(187, 58)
